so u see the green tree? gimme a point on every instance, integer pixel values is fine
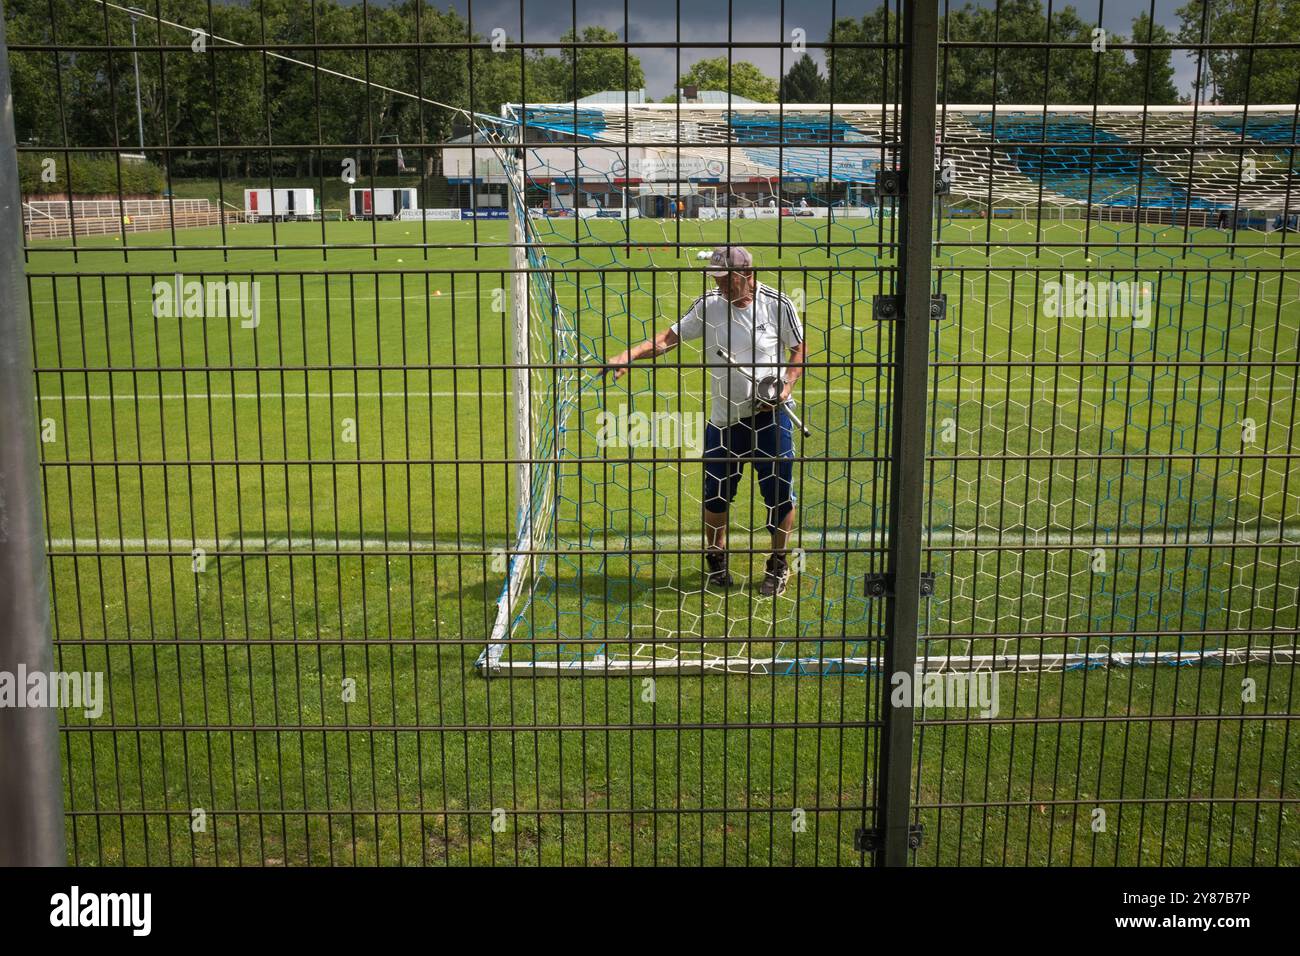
(862, 74)
(88, 98)
(1021, 75)
(1238, 76)
(745, 79)
(804, 82)
(1151, 72)
(592, 69)
(978, 72)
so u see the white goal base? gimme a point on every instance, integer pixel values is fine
(599, 666)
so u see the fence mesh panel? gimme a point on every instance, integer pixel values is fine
(325, 300)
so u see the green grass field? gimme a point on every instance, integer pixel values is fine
(230, 558)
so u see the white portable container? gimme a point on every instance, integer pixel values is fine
(293, 204)
(380, 203)
(257, 204)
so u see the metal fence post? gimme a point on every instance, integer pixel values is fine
(31, 788)
(920, 56)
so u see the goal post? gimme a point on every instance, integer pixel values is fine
(520, 428)
(543, 377)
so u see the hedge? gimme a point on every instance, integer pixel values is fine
(91, 175)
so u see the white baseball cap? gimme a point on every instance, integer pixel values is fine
(727, 259)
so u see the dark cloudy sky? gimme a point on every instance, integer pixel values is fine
(707, 21)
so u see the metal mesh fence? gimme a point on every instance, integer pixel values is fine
(344, 417)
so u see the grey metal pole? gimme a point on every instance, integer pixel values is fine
(31, 787)
(139, 110)
(907, 502)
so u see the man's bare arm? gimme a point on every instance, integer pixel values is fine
(665, 341)
(794, 369)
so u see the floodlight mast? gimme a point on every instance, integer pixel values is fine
(136, 12)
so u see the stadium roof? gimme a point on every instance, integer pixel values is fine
(636, 97)
(719, 98)
(710, 99)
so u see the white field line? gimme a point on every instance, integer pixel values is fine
(971, 393)
(340, 297)
(343, 300)
(289, 286)
(686, 540)
(216, 396)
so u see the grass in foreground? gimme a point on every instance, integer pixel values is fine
(227, 684)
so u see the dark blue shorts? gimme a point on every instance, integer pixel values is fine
(766, 441)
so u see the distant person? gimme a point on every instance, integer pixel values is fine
(1223, 219)
(803, 203)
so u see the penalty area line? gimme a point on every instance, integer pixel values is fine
(981, 393)
(685, 542)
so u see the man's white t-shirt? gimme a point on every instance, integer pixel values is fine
(763, 333)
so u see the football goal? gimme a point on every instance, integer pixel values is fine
(1032, 563)
(606, 575)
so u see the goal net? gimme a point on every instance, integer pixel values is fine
(1037, 566)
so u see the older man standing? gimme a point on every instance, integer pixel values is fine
(755, 324)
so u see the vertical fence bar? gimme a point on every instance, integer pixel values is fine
(920, 57)
(31, 789)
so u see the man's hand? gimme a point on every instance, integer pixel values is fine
(665, 341)
(617, 366)
(797, 356)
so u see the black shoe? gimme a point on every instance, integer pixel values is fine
(778, 573)
(718, 574)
